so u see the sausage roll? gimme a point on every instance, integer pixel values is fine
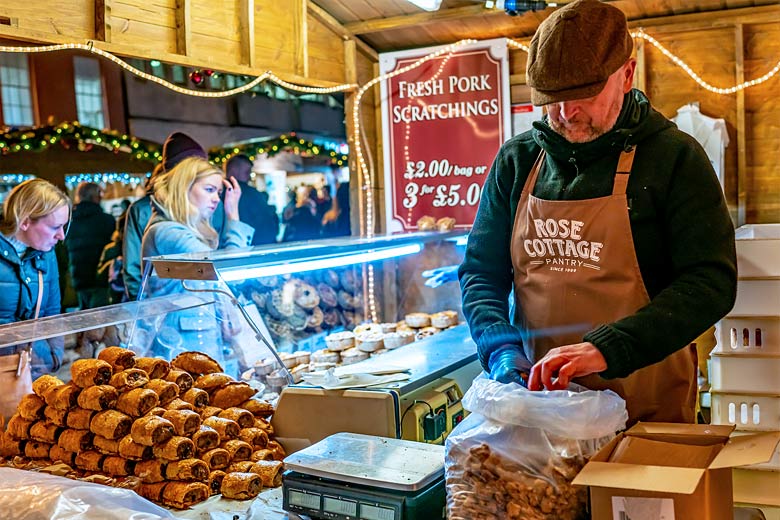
(270, 472)
(111, 424)
(155, 368)
(178, 404)
(43, 431)
(90, 372)
(62, 397)
(165, 390)
(90, 460)
(151, 492)
(150, 471)
(242, 466)
(10, 447)
(137, 402)
(258, 407)
(262, 455)
(239, 450)
(43, 383)
(197, 397)
(209, 411)
(241, 486)
(134, 451)
(157, 410)
(119, 358)
(232, 394)
(187, 469)
(37, 449)
(210, 382)
(118, 466)
(215, 481)
(256, 437)
(55, 416)
(182, 379)
(276, 449)
(99, 397)
(244, 418)
(79, 418)
(181, 495)
(218, 458)
(196, 363)
(226, 428)
(19, 428)
(31, 407)
(75, 440)
(175, 448)
(58, 454)
(205, 438)
(185, 422)
(106, 446)
(151, 430)
(128, 379)
(264, 425)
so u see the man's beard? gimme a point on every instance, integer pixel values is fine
(580, 133)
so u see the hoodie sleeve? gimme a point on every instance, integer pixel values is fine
(131, 252)
(486, 272)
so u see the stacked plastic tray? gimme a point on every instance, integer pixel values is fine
(745, 364)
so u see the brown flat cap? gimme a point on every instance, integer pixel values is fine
(575, 50)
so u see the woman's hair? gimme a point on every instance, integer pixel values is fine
(172, 194)
(33, 199)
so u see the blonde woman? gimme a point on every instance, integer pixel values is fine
(184, 200)
(35, 216)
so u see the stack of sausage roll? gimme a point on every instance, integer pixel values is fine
(183, 429)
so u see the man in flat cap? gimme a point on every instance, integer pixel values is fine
(609, 226)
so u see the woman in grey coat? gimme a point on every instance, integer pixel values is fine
(184, 201)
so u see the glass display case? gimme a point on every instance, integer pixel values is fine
(272, 313)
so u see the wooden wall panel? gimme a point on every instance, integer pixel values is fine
(326, 52)
(74, 18)
(136, 21)
(275, 30)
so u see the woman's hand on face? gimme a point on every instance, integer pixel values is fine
(232, 196)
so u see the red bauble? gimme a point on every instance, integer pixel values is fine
(208, 72)
(197, 77)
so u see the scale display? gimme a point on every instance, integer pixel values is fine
(368, 512)
(303, 499)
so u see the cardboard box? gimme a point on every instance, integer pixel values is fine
(666, 471)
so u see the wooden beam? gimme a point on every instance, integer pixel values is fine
(411, 20)
(640, 77)
(742, 173)
(301, 37)
(356, 194)
(246, 21)
(709, 19)
(183, 27)
(325, 17)
(103, 20)
(517, 79)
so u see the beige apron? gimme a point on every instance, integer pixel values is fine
(575, 269)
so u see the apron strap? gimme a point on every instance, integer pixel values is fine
(531, 181)
(623, 171)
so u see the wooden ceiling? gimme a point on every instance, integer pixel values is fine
(388, 25)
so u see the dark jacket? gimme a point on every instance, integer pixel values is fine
(19, 287)
(253, 208)
(90, 230)
(682, 234)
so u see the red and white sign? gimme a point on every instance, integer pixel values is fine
(442, 123)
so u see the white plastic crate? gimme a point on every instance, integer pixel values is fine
(749, 412)
(758, 250)
(756, 487)
(752, 335)
(756, 374)
(757, 298)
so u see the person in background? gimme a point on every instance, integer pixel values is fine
(184, 201)
(110, 265)
(323, 201)
(302, 223)
(335, 222)
(91, 230)
(253, 207)
(609, 225)
(35, 218)
(177, 147)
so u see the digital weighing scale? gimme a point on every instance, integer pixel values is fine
(349, 476)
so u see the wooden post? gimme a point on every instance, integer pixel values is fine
(640, 79)
(183, 27)
(742, 173)
(355, 177)
(103, 20)
(246, 21)
(301, 38)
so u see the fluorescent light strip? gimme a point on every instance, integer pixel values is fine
(324, 263)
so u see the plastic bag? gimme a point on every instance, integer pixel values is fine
(32, 495)
(515, 455)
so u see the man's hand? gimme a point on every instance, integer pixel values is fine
(560, 365)
(508, 364)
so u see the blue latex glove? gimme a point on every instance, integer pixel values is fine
(441, 275)
(508, 364)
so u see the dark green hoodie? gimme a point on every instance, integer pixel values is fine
(682, 233)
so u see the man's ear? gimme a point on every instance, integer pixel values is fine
(629, 71)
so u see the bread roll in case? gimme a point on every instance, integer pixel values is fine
(166, 391)
(215, 481)
(10, 447)
(98, 397)
(209, 411)
(239, 450)
(226, 428)
(79, 418)
(133, 451)
(105, 446)
(55, 416)
(155, 368)
(256, 437)
(62, 397)
(119, 358)
(197, 397)
(175, 448)
(43, 431)
(210, 382)
(111, 424)
(31, 407)
(217, 458)
(90, 460)
(179, 404)
(151, 430)
(243, 417)
(181, 495)
(196, 363)
(37, 449)
(150, 471)
(263, 454)
(75, 440)
(151, 492)
(187, 469)
(58, 454)
(118, 466)
(128, 379)
(43, 383)
(90, 372)
(241, 486)
(270, 472)
(185, 422)
(137, 402)
(241, 466)
(181, 378)
(19, 428)
(232, 394)
(258, 407)
(206, 438)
